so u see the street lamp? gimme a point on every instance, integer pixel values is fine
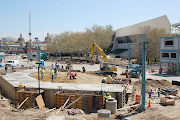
(39, 63)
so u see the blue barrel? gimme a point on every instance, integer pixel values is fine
(42, 61)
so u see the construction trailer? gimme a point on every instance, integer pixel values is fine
(34, 56)
(169, 55)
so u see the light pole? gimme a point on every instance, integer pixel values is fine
(48, 43)
(39, 63)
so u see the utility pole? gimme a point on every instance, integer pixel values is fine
(129, 55)
(30, 34)
(48, 44)
(39, 51)
(143, 42)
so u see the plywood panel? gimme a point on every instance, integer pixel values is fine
(40, 101)
(100, 101)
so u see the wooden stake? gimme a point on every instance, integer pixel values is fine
(58, 110)
(73, 102)
(22, 103)
(62, 107)
(50, 110)
(65, 103)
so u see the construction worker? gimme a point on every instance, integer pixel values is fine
(161, 70)
(104, 80)
(52, 73)
(30, 66)
(12, 68)
(42, 71)
(109, 79)
(6, 68)
(57, 66)
(68, 68)
(83, 68)
(72, 75)
(55, 71)
(107, 96)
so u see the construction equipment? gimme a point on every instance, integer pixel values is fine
(23, 56)
(44, 56)
(105, 66)
(134, 72)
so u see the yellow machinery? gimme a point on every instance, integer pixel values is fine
(104, 66)
(23, 56)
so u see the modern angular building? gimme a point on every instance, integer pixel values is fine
(122, 36)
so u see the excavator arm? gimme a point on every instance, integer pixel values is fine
(94, 45)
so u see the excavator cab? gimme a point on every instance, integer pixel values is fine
(105, 66)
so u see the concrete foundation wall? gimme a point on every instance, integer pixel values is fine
(9, 89)
(48, 94)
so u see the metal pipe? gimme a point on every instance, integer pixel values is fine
(38, 79)
(143, 90)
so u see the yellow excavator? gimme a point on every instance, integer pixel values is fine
(105, 67)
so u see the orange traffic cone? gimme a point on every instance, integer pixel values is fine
(149, 104)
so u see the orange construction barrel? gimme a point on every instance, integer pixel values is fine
(138, 98)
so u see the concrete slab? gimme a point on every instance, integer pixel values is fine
(23, 76)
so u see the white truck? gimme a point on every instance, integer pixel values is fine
(13, 63)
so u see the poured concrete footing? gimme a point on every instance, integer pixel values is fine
(10, 85)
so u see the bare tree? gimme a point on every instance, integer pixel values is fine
(79, 42)
(153, 36)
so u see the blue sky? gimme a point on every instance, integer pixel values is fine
(56, 16)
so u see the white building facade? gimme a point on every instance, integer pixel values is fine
(122, 36)
(169, 53)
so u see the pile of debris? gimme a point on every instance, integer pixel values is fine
(169, 91)
(73, 111)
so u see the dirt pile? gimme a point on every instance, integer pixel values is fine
(154, 84)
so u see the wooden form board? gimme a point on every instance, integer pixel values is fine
(27, 104)
(73, 98)
(79, 103)
(100, 100)
(31, 102)
(86, 103)
(40, 101)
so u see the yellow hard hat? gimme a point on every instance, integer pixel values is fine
(20, 84)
